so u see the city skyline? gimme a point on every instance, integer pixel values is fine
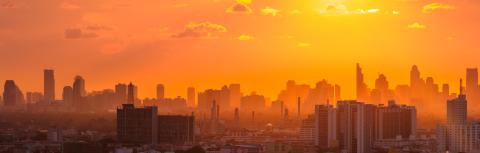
(150, 90)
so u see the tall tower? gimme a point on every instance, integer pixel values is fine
(67, 94)
(362, 94)
(191, 96)
(237, 116)
(11, 94)
(298, 106)
(457, 109)
(78, 89)
(131, 94)
(49, 85)
(472, 80)
(160, 91)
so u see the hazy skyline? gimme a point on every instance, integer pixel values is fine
(260, 43)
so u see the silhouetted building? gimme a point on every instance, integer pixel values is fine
(191, 96)
(221, 97)
(34, 97)
(457, 110)
(362, 90)
(355, 126)
(396, 121)
(176, 129)
(79, 91)
(137, 125)
(67, 94)
(458, 135)
(253, 102)
(131, 94)
(12, 95)
(325, 132)
(49, 86)
(121, 93)
(235, 95)
(160, 91)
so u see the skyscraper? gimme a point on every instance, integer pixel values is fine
(191, 96)
(131, 94)
(176, 129)
(121, 93)
(355, 126)
(11, 94)
(457, 110)
(137, 125)
(67, 94)
(362, 91)
(396, 121)
(325, 132)
(160, 91)
(48, 85)
(458, 135)
(235, 95)
(471, 80)
(78, 89)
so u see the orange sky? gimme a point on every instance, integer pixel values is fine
(258, 43)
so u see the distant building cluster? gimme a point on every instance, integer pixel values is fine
(301, 119)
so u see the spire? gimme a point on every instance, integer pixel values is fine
(461, 86)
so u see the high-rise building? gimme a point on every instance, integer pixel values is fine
(67, 94)
(49, 85)
(12, 95)
(396, 121)
(458, 135)
(306, 133)
(221, 97)
(191, 96)
(137, 125)
(253, 102)
(457, 109)
(160, 91)
(121, 93)
(131, 94)
(362, 90)
(176, 129)
(235, 95)
(325, 126)
(355, 126)
(472, 80)
(78, 89)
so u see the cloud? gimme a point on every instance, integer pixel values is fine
(416, 25)
(239, 8)
(270, 11)
(97, 27)
(245, 37)
(201, 29)
(436, 6)
(8, 4)
(303, 45)
(295, 12)
(244, 1)
(77, 33)
(69, 6)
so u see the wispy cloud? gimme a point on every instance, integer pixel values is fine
(77, 33)
(270, 11)
(437, 6)
(416, 25)
(239, 8)
(201, 30)
(245, 37)
(303, 45)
